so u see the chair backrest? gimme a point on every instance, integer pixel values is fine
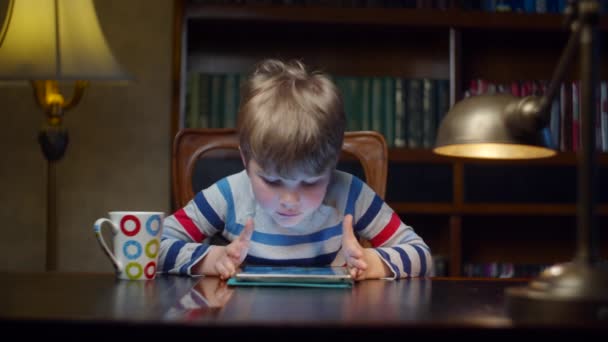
(368, 147)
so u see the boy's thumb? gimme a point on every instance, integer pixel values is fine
(347, 226)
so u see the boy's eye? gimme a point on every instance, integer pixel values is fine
(313, 183)
(271, 181)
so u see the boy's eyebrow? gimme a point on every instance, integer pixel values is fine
(263, 174)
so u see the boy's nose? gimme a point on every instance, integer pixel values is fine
(289, 198)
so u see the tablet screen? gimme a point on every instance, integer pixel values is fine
(294, 274)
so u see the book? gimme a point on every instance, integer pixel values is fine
(604, 115)
(400, 121)
(429, 112)
(566, 116)
(413, 112)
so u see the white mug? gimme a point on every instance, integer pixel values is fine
(136, 242)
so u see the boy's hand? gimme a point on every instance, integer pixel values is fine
(224, 261)
(353, 252)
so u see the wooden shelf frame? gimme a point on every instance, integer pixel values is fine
(456, 32)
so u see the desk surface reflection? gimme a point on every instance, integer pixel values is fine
(73, 303)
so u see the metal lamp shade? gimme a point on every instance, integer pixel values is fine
(498, 126)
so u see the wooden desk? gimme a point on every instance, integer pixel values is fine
(98, 305)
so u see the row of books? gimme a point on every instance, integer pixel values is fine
(489, 269)
(565, 113)
(502, 270)
(406, 111)
(212, 100)
(518, 6)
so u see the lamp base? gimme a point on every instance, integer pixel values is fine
(573, 292)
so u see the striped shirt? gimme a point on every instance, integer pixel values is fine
(224, 207)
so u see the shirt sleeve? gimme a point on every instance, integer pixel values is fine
(397, 244)
(185, 234)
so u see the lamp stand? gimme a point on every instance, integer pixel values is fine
(53, 140)
(576, 291)
(51, 217)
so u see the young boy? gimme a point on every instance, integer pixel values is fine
(290, 206)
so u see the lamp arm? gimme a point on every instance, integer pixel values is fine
(79, 87)
(49, 98)
(532, 113)
(563, 64)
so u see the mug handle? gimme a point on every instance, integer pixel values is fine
(97, 226)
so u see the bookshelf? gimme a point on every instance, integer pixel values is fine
(468, 211)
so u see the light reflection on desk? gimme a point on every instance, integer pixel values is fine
(372, 300)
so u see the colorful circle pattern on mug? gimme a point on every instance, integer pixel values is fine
(130, 225)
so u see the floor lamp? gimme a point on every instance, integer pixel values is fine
(48, 42)
(503, 126)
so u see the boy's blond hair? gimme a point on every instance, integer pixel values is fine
(291, 120)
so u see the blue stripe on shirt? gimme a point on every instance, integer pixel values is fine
(320, 260)
(200, 250)
(353, 194)
(289, 240)
(422, 258)
(172, 253)
(426, 248)
(207, 211)
(405, 260)
(224, 187)
(370, 213)
(387, 258)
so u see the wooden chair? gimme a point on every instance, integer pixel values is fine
(368, 147)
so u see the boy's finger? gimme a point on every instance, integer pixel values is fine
(247, 231)
(230, 269)
(221, 271)
(359, 264)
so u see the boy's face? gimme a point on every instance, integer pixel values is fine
(287, 201)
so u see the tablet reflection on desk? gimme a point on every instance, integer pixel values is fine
(369, 300)
(206, 297)
(131, 297)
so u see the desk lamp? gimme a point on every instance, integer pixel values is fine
(47, 42)
(507, 127)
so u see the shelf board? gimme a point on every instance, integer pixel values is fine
(403, 17)
(533, 209)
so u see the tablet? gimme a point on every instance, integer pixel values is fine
(298, 274)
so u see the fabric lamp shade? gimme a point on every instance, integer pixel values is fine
(55, 40)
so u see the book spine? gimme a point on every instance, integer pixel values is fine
(389, 110)
(429, 112)
(576, 117)
(604, 114)
(376, 111)
(192, 101)
(413, 108)
(399, 114)
(566, 116)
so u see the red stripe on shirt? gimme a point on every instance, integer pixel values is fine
(387, 231)
(189, 226)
